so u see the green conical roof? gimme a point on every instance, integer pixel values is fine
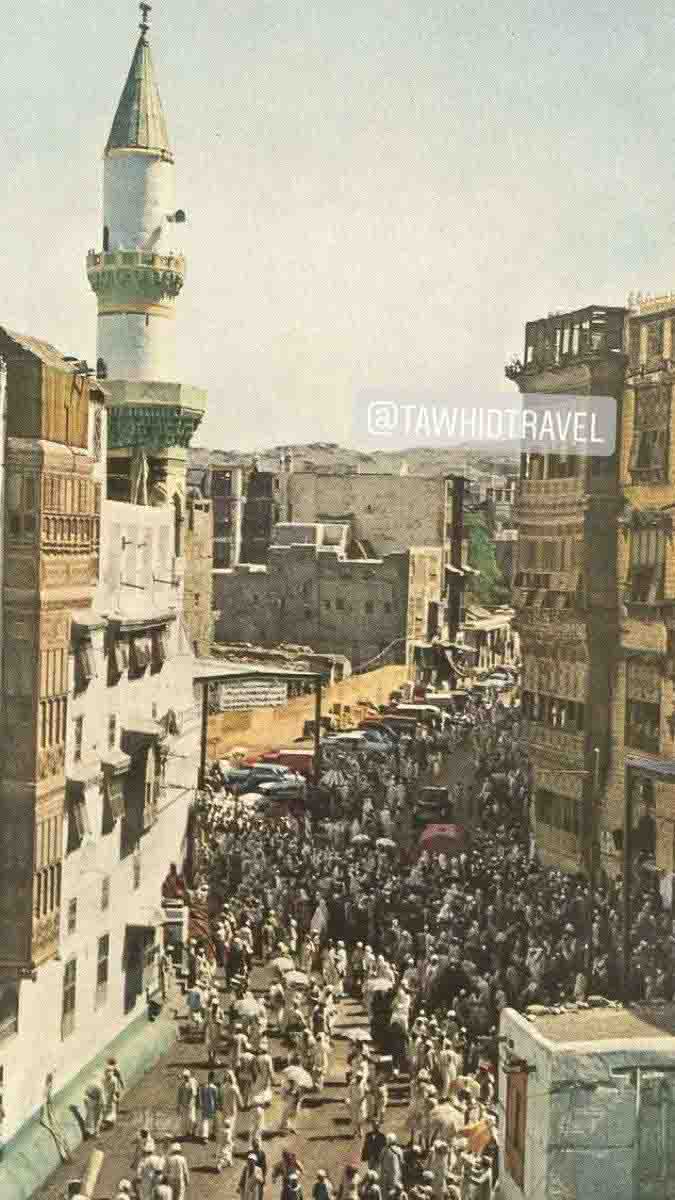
(139, 121)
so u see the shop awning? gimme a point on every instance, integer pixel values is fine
(140, 734)
(652, 764)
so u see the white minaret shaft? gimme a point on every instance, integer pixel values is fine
(139, 271)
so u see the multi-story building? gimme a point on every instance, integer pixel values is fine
(317, 590)
(386, 512)
(642, 767)
(100, 731)
(408, 593)
(198, 584)
(568, 615)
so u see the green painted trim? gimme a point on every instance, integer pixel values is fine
(31, 1156)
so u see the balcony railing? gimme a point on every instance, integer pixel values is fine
(135, 258)
(567, 742)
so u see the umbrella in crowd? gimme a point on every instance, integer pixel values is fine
(296, 979)
(357, 1035)
(334, 778)
(448, 1118)
(385, 843)
(361, 839)
(282, 964)
(248, 1006)
(299, 1077)
(380, 985)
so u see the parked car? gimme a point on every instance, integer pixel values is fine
(294, 787)
(244, 779)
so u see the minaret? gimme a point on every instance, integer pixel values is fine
(137, 277)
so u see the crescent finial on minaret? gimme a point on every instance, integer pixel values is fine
(144, 25)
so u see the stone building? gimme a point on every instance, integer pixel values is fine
(565, 589)
(587, 1104)
(642, 697)
(198, 587)
(318, 588)
(100, 726)
(389, 513)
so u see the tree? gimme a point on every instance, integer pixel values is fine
(489, 587)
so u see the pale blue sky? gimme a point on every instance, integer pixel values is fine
(379, 195)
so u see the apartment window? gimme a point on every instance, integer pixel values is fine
(561, 812)
(160, 648)
(119, 657)
(369, 607)
(102, 970)
(140, 653)
(112, 731)
(105, 893)
(72, 915)
(85, 663)
(307, 612)
(69, 995)
(339, 604)
(516, 1125)
(221, 555)
(643, 725)
(79, 736)
(647, 558)
(9, 1016)
(655, 339)
(651, 434)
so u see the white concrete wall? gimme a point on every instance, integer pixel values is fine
(137, 346)
(38, 1048)
(137, 543)
(526, 1045)
(138, 193)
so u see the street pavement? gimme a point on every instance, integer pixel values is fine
(323, 1138)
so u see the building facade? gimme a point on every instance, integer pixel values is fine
(565, 589)
(198, 586)
(587, 1104)
(100, 725)
(314, 591)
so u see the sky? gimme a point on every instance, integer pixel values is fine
(379, 195)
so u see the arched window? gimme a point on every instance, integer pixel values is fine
(177, 526)
(106, 239)
(9, 1011)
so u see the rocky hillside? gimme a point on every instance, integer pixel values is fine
(317, 456)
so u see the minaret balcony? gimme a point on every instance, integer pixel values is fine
(135, 275)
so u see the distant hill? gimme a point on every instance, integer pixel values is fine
(473, 461)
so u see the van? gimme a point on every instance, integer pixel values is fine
(453, 703)
(427, 714)
(301, 761)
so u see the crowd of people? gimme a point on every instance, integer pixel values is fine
(433, 945)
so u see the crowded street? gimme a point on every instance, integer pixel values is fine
(338, 1003)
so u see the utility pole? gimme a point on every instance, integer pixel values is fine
(627, 898)
(317, 732)
(593, 855)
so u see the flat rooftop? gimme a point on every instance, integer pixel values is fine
(609, 1024)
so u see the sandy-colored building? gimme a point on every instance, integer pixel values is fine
(316, 589)
(198, 588)
(595, 586)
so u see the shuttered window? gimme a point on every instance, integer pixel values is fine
(516, 1125)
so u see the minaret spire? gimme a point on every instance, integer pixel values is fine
(144, 25)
